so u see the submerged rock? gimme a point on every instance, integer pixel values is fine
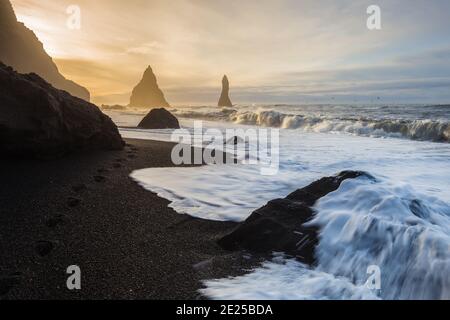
(159, 119)
(147, 93)
(37, 120)
(280, 225)
(224, 100)
(22, 50)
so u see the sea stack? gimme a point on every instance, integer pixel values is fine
(224, 100)
(22, 50)
(147, 94)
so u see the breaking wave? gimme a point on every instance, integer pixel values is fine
(364, 224)
(404, 233)
(423, 129)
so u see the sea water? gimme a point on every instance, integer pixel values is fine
(400, 222)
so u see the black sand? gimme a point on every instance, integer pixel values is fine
(85, 210)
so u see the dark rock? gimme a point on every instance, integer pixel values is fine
(43, 248)
(159, 119)
(21, 49)
(224, 100)
(37, 120)
(115, 107)
(279, 225)
(235, 141)
(147, 94)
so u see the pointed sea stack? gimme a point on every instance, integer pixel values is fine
(22, 50)
(147, 93)
(224, 100)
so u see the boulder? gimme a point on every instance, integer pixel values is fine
(38, 120)
(22, 50)
(159, 119)
(279, 226)
(147, 93)
(224, 100)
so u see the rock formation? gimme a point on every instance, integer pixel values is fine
(21, 49)
(224, 100)
(279, 225)
(37, 120)
(114, 107)
(159, 119)
(147, 93)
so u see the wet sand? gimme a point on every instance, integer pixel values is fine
(85, 210)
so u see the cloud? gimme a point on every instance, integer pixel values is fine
(146, 48)
(270, 49)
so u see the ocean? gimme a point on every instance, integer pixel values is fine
(399, 222)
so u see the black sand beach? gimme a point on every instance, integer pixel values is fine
(85, 210)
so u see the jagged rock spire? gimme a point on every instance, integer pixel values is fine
(224, 100)
(147, 94)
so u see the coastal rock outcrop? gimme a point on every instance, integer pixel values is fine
(280, 225)
(159, 119)
(224, 100)
(114, 107)
(37, 120)
(22, 50)
(147, 93)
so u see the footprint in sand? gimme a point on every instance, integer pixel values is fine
(102, 170)
(44, 247)
(79, 187)
(8, 282)
(54, 221)
(99, 178)
(73, 202)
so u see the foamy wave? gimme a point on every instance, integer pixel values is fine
(365, 223)
(368, 223)
(285, 279)
(426, 130)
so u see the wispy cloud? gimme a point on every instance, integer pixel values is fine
(298, 49)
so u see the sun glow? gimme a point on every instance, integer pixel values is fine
(277, 51)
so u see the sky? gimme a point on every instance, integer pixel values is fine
(284, 51)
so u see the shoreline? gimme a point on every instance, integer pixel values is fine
(85, 210)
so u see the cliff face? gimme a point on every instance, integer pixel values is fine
(22, 50)
(147, 93)
(224, 100)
